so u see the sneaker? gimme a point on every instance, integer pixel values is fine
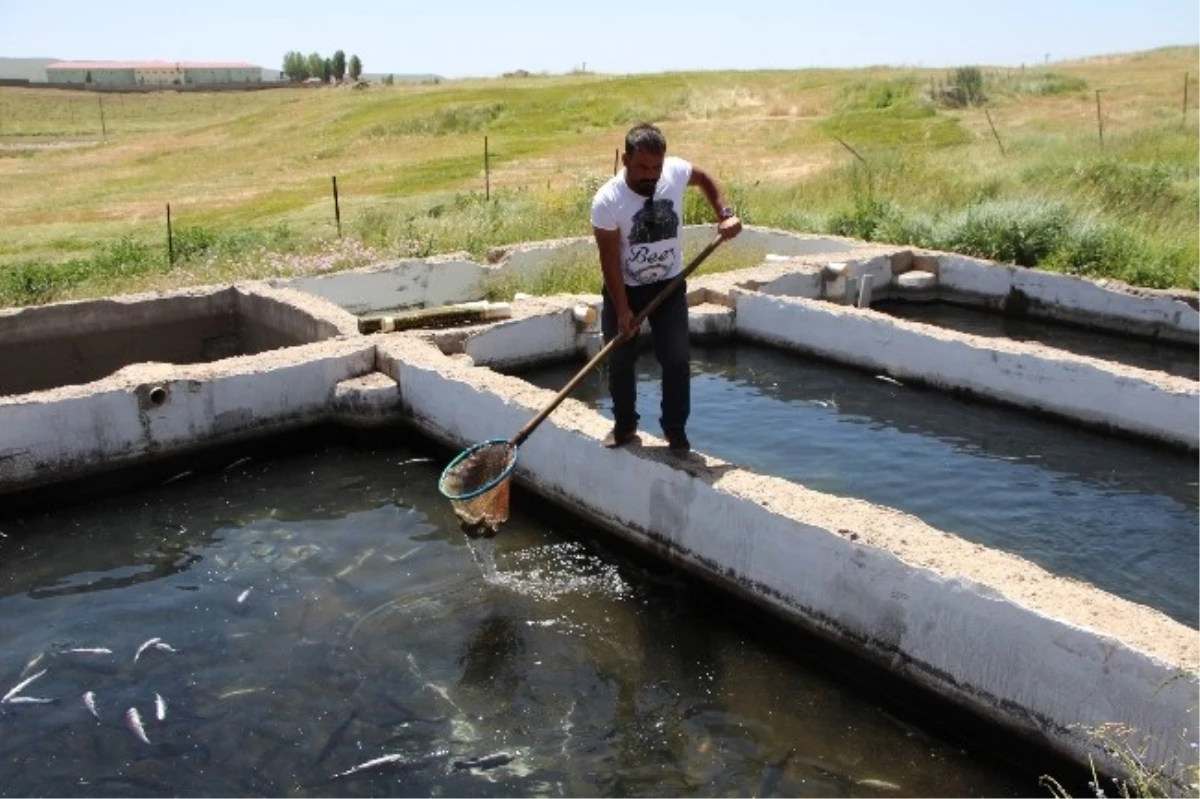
(678, 443)
(619, 438)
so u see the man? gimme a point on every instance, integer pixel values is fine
(637, 218)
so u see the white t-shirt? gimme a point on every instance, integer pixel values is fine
(651, 248)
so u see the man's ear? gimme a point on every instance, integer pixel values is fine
(625, 160)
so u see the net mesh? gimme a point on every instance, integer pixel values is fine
(477, 486)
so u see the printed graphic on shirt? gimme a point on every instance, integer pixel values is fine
(657, 221)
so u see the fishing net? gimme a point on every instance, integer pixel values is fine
(476, 483)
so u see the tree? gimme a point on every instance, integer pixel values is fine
(326, 70)
(339, 65)
(355, 67)
(390, 80)
(295, 66)
(316, 65)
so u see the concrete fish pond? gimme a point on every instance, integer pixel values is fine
(312, 623)
(1037, 647)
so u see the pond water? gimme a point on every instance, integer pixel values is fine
(301, 615)
(1114, 512)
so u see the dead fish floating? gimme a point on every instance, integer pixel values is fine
(11, 696)
(387, 761)
(133, 720)
(160, 707)
(89, 701)
(887, 379)
(485, 761)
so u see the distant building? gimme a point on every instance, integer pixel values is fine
(152, 73)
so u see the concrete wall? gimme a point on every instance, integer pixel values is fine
(1027, 375)
(411, 283)
(71, 343)
(1072, 299)
(154, 409)
(991, 631)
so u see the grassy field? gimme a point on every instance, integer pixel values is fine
(248, 175)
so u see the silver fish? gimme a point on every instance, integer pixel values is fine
(379, 762)
(877, 785)
(93, 650)
(887, 379)
(30, 700)
(486, 761)
(160, 707)
(89, 701)
(242, 596)
(32, 663)
(146, 645)
(21, 686)
(133, 720)
(414, 460)
(165, 647)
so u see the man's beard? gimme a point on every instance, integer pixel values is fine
(645, 187)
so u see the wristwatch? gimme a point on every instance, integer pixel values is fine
(726, 213)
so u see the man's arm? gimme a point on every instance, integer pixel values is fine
(608, 242)
(728, 224)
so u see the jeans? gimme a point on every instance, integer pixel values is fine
(669, 328)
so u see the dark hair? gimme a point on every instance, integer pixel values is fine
(647, 138)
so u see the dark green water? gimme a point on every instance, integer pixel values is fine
(322, 609)
(1116, 513)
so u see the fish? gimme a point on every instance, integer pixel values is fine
(335, 737)
(32, 663)
(242, 596)
(160, 707)
(414, 460)
(238, 692)
(179, 476)
(237, 463)
(146, 645)
(30, 700)
(877, 785)
(360, 561)
(21, 686)
(887, 379)
(485, 762)
(133, 720)
(379, 762)
(92, 650)
(89, 701)
(165, 647)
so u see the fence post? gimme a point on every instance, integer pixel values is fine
(103, 127)
(994, 133)
(616, 159)
(1183, 122)
(1099, 118)
(337, 208)
(170, 239)
(487, 175)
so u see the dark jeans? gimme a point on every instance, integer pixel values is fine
(669, 327)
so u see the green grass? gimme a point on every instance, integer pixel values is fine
(580, 273)
(409, 161)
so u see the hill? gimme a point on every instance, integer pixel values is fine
(1009, 164)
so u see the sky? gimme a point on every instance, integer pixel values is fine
(478, 38)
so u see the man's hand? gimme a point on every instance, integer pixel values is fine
(625, 322)
(730, 227)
